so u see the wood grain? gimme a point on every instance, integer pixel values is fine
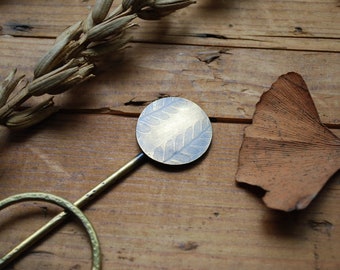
(297, 25)
(158, 217)
(221, 54)
(227, 88)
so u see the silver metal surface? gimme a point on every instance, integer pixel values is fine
(173, 131)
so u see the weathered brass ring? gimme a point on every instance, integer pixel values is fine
(68, 207)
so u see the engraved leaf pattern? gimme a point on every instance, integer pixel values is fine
(158, 111)
(188, 146)
(184, 147)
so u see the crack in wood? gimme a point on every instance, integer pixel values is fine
(323, 226)
(21, 27)
(209, 35)
(126, 113)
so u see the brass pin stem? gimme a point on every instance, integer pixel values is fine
(80, 203)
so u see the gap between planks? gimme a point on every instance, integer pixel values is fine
(214, 119)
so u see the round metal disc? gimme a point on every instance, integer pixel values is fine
(173, 131)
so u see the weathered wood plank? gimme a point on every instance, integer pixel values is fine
(162, 218)
(227, 88)
(297, 25)
(157, 218)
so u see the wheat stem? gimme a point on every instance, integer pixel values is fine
(72, 58)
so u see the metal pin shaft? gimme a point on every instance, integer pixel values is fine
(80, 203)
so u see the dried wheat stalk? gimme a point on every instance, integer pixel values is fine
(72, 58)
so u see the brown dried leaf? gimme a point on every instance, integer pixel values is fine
(287, 150)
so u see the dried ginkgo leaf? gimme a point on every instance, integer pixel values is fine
(287, 151)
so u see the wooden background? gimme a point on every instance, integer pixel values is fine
(162, 218)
